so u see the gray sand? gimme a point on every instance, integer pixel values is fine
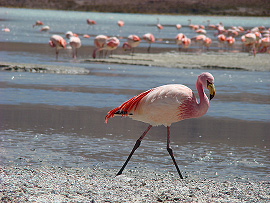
(56, 184)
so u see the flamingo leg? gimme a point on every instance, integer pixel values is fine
(136, 146)
(169, 149)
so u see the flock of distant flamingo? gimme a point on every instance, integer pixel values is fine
(254, 40)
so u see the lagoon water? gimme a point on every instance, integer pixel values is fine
(242, 96)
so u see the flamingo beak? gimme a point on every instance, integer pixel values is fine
(211, 89)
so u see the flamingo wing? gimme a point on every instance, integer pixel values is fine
(125, 108)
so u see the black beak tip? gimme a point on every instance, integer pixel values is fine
(211, 96)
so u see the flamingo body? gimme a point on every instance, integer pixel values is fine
(99, 42)
(75, 43)
(165, 105)
(149, 38)
(58, 42)
(45, 28)
(120, 23)
(132, 42)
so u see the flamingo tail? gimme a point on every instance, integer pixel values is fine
(125, 108)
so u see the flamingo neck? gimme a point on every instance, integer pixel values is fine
(204, 102)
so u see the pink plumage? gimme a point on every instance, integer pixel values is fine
(165, 105)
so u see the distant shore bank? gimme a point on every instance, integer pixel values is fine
(172, 7)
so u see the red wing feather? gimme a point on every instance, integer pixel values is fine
(127, 106)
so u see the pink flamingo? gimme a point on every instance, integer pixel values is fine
(207, 42)
(186, 42)
(6, 29)
(199, 39)
(221, 38)
(149, 38)
(75, 43)
(58, 42)
(86, 36)
(90, 22)
(159, 26)
(178, 26)
(264, 43)
(250, 39)
(99, 42)
(132, 42)
(111, 44)
(38, 23)
(45, 28)
(230, 40)
(120, 23)
(178, 39)
(165, 105)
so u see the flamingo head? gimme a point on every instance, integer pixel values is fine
(207, 80)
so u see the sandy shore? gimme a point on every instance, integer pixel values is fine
(56, 184)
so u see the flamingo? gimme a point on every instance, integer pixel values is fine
(165, 105)
(45, 28)
(99, 42)
(132, 42)
(86, 36)
(178, 39)
(120, 23)
(186, 42)
(178, 26)
(199, 39)
(250, 39)
(207, 42)
(149, 38)
(90, 22)
(230, 40)
(264, 43)
(110, 44)
(75, 43)
(38, 23)
(221, 38)
(159, 26)
(58, 42)
(6, 29)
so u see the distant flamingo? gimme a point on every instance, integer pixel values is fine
(165, 105)
(45, 28)
(99, 43)
(111, 44)
(58, 42)
(186, 42)
(120, 23)
(230, 41)
(38, 23)
(178, 39)
(265, 44)
(75, 43)
(201, 31)
(207, 42)
(178, 26)
(132, 42)
(250, 40)
(149, 38)
(90, 22)
(6, 29)
(221, 39)
(86, 36)
(159, 26)
(199, 39)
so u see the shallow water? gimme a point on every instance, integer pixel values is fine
(242, 97)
